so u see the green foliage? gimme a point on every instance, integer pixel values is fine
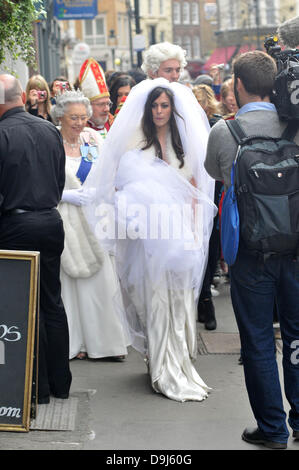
(17, 18)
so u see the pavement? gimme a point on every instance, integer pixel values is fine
(117, 410)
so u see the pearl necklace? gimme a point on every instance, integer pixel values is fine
(73, 146)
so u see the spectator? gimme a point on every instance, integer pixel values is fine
(32, 162)
(228, 105)
(38, 97)
(258, 280)
(58, 85)
(137, 74)
(119, 88)
(205, 308)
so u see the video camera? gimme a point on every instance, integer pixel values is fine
(286, 86)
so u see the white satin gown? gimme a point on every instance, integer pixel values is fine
(160, 310)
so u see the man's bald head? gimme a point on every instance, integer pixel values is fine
(11, 93)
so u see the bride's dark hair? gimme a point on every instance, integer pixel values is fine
(149, 128)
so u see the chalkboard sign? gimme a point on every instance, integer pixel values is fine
(19, 301)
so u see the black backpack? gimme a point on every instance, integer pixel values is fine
(267, 190)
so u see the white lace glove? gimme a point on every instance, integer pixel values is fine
(78, 197)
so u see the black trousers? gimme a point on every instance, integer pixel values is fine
(214, 249)
(214, 255)
(43, 231)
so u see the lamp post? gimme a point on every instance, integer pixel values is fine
(257, 21)
(112, 38)
(138, 30)
(130, 15)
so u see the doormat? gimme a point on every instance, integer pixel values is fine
(218, 343)
(58, 415)
(224, 343)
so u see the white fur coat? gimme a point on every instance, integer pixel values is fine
(82, 255)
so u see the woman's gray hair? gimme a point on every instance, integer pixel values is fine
(65, 99)
(158, 53)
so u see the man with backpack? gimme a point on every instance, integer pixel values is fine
(266, 266)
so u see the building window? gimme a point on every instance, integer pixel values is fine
(162, 36)
(195, 13)
(187, 45)
(196, 47)
(178, 40)
(150, 7)
(161, 7)
(270, 12)
(186, 13)
(94, 31)
(152, 34)
(122, 29)
(176, 13)
(232, 16)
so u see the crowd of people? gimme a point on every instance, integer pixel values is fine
(96, 157)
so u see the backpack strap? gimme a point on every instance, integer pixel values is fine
(236, 130)
(291, 130)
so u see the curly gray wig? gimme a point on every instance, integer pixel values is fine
(158, 53)
(65, 99)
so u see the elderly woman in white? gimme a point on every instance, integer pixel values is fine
(88, 279)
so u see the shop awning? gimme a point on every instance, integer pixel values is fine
(245, 48)
(221, 55)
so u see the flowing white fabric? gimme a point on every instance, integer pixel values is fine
(158, 226)
(161, 277)
(154, 213)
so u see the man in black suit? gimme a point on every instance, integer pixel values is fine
(32, 175)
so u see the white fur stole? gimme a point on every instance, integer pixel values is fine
(82, 255)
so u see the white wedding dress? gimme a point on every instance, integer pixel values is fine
(94, 326)
(160, 309)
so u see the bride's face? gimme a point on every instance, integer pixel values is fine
(161, 110)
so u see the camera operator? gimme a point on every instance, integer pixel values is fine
(38, 97)
(216, 72)
(256, 281)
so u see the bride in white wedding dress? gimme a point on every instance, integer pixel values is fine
(155, 214)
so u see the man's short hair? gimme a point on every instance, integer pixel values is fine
(12, 91)
(257, 71)
(158, 53)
